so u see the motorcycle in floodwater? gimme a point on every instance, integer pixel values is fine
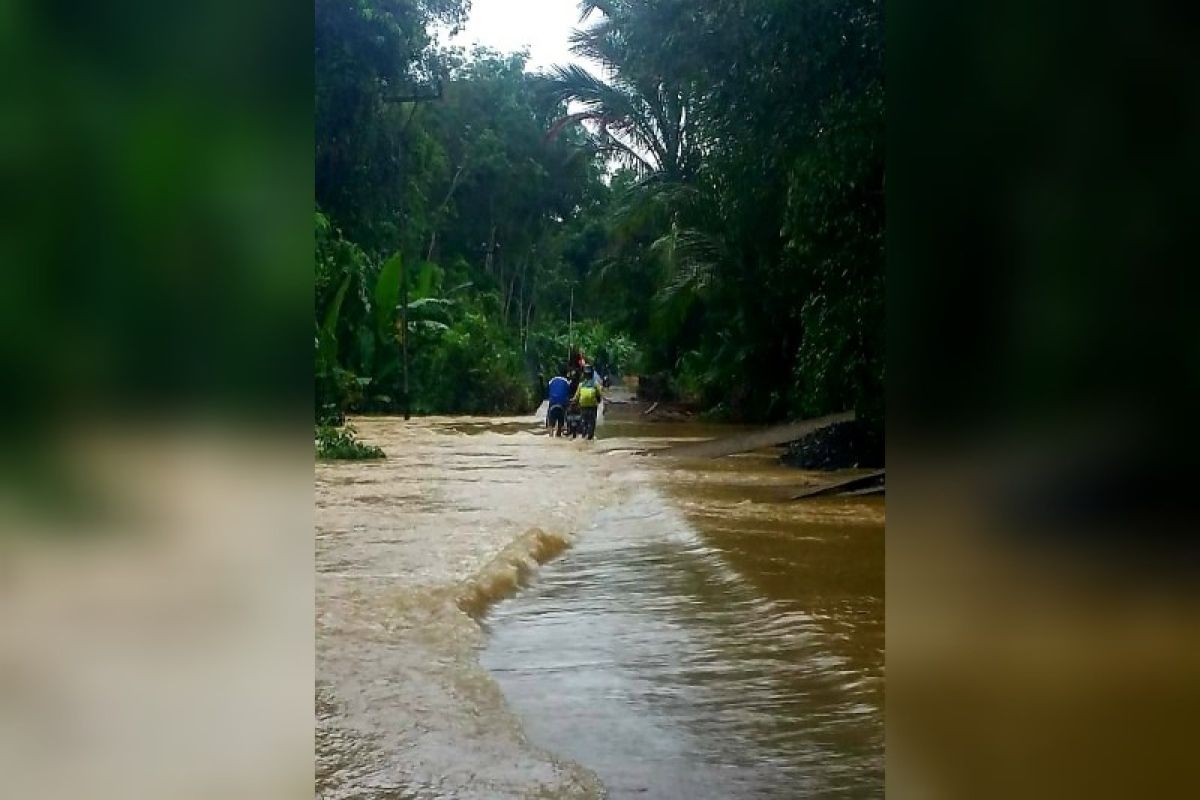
(574, 421)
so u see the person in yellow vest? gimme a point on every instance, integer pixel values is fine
(589, 395)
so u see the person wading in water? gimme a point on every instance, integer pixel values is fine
(575, 371)
(558, 392)
(589, 396)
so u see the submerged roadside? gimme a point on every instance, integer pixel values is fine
(409, 551)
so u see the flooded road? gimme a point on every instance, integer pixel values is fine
(695, 638)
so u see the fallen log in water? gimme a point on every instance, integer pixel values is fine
(844, 485)
(744, 442)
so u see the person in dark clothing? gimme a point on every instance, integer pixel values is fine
(574, 377)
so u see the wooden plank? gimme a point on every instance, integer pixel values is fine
(839, 485)
(744, 442)
(864, 492)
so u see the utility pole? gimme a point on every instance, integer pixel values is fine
(414, 99)
(404, 330)
(571, 325)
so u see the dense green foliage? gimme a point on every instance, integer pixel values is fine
(711, 209)
(341, 443)
(754, 132)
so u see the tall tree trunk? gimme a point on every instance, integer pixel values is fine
(521, 330)
(524, 291)
(491, 249)
(442, 207)
(508, 295)
(528, 323)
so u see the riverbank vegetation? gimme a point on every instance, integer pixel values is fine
(342, 443)
(700, 199)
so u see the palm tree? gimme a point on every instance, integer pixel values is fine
(642, 120)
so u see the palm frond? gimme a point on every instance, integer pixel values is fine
(691, 257)
(628, 128)
(602, 43)
(588, 7)
(570, 119)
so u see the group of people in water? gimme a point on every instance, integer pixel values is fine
(574, 400)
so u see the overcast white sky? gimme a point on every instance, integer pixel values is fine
(544, 26)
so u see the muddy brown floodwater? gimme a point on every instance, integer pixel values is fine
(688, 633)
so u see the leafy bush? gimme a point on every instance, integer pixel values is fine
(341, 444)
(691, 376)
(473, 366)
(549, 347)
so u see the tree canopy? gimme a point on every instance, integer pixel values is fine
(702, 194)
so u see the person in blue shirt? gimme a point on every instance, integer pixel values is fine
(558, 392)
